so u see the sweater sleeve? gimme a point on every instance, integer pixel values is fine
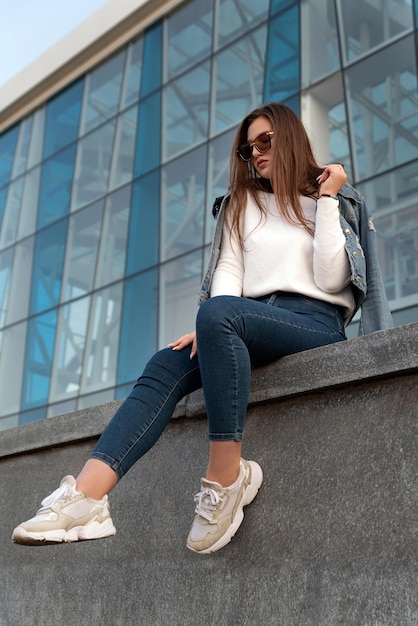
(229, 273)
(330, 262)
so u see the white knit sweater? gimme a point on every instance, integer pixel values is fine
(282, 256)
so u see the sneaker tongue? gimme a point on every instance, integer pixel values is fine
(68, 479)
(64, 490)
(211, 485)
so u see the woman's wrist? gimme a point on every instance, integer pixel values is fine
(328, 195)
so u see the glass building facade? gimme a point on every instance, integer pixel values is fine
(106, 189)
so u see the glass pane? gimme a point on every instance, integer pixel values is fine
(47, 267)
(12, 358)
(151, 70)
(179, 286)
(83, 239)
(393, 202)
(94, 399)
(11, 213)
(138, 340)
(191, 23)
(144, 224)
(102, 92)
(148, 143)
(62, 119)
(324, 117)
(91, 178)
(124, 149)
(277, 5)
(6, 259)
(133, 73)
(61, 408)
(282, 67)
(11, 421)
(239, 72)
(186, 110)
(366, 25)
(218, 175)
(3, 197)
(319, 40)
(236, 17)
(20, 283)
(29, 205)
(69, 350)
(183, 203)
(39, 355)
(22, 147)
(28, 417)
(113, 238)
(8, 142)
(56, 180)
(382, 93)
(102, 340)
(37, 138)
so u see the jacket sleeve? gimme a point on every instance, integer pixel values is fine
(375, 312)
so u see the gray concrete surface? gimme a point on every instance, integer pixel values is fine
(331, 539)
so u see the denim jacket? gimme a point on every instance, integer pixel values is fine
(360, 244)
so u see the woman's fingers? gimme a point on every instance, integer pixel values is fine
(183, 341)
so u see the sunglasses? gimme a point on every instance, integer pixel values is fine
(262, 143)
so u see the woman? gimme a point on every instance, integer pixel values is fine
(293, 258)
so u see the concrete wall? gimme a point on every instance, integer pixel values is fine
(331, 539)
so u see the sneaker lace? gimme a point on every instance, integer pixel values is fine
(59, 495)
(207, 501)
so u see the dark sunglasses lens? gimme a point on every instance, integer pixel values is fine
(245, 152)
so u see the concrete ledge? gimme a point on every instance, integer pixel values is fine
(392, 352)
(331, 539)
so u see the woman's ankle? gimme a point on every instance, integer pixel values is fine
(96, 479)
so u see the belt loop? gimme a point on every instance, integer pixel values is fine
(272, 299)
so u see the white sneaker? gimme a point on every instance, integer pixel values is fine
(219, 510)
(66, 515)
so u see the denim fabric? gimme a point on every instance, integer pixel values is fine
(233, 334)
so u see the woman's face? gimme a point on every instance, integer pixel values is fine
(262, 161)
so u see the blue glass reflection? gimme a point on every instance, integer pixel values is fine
(148, 144)
(144, 223)
(277, 5)
(282, 70)
(47, 267)
(7, 150)
(151, 69)
(139, 325)
(294, 104)
(39, 354)
(32, 416)
(56, 181)
(63, 118)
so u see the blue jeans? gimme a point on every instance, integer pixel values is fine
(233, 334)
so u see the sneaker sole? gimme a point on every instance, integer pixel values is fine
(249, 495)
(78, 533)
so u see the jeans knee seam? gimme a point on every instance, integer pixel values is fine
(155, 417)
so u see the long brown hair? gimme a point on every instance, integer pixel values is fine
(294, 173)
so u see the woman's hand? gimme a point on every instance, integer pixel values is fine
(184, 341)
(332, 179)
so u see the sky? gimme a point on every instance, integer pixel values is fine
(29, 27)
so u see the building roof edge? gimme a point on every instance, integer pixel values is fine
(95, 39)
